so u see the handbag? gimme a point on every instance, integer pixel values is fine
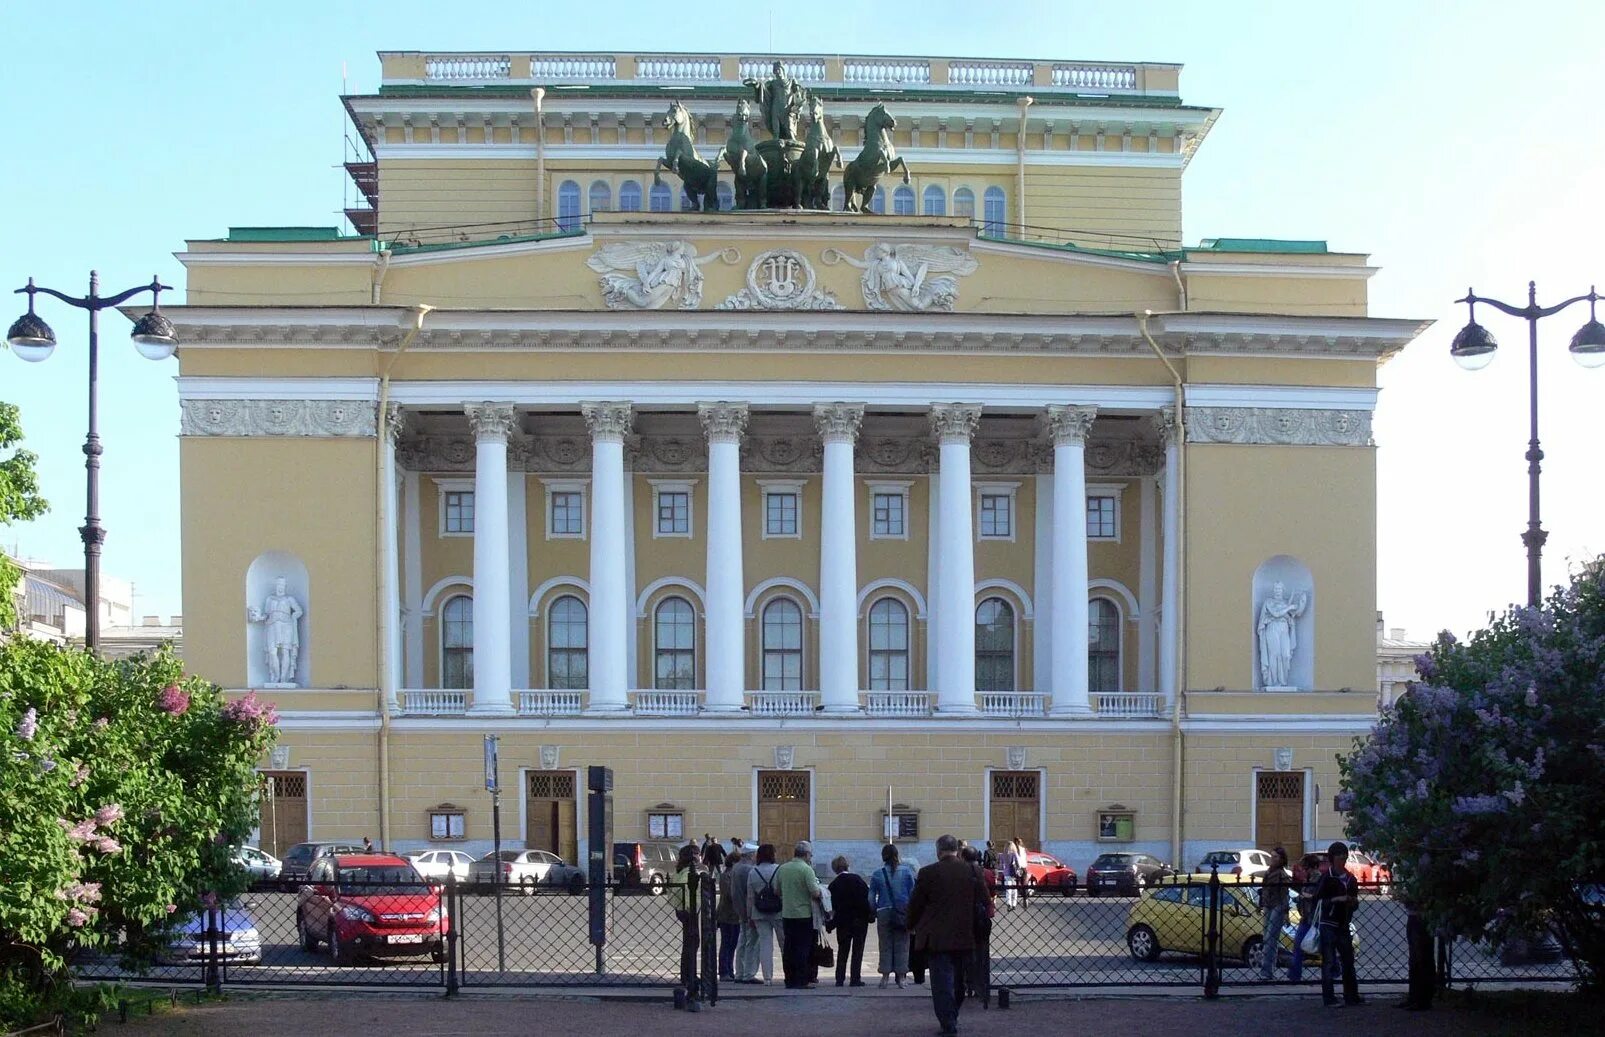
(1311, 944)
(898, 920)
(824, 956)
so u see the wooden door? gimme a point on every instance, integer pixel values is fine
(783, 809)
(1279, 811)
(284, 810)
(1016, 808)
(549, 814)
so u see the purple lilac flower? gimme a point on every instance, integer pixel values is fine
(107, 845)
(77, 917)
(1473, 806)
(101, 723)
(46, 764)
(1345, 801)
(173, 699)
(80, 776)
(109, 814)
(81, 832)
(251, 712)
(28, 726)
(171, 908)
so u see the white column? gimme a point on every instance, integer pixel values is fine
(1170, 567)
(390, 429)
(518, 575)
(838, 559)
(608, 654)
(492, 424)
(412, 581)
(1148, 584)
(726, 620)
(933, 578)
(1069, 427)
(632, 637)
(954, 424)
(1042, 587)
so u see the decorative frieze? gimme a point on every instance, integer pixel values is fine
(893, 455)
(781, 279)
(653, 275)
(782, 454)
(1278, 425)
(1004, 456)
(311, 418)
(667, 454)
(912, 278)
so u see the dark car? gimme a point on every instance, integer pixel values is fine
(1123, 874)
(299, 858)
(647, 864)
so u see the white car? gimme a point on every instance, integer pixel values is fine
(437, 864)
(1235, 862)
(259, 864)
(525, 870)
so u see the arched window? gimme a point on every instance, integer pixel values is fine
(675, 645)
(838, 198)
(629, 196)
(935, 201)
(902, 201)
(601, 196)
(1103, 645)
(567, 665)
(727, 197)
(457, 643)
(888, 646)
(568, 206)
(877, 201)
(782, 646)
(662, 198)
(964, 203)
(993, 214)
(994, 646)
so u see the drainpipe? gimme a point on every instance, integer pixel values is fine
(1177, 748)
(538, 95)
(381, 266)
(387, 681)
(1019, 162)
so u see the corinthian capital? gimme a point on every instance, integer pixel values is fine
(393, 422)
(1165, 425)
(490, 420)
(838, 420)
(954, 421)
(1070, 424)
(723, 422)
(606, 419)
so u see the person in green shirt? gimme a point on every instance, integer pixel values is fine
(684, 901)
(799, 888)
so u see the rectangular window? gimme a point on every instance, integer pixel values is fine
(674, 512)
(568, 513)
(889, 517)
(665, 825)
(1103, 521)
(780, 514)
(996, 511)
(446, 825)
(459, 511)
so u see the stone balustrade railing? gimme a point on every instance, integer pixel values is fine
(1014, 705)
(433, 702)
(548, 703)
(1044, 77)
(655, 703)
(1128, 704)
(782, 703)
(897, 703)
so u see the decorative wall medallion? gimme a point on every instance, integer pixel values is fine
(548, 757)
(279, 758)
(889, 455)
(652, 275)
(309, 418)
(1016, 757)
(781, 279)
(785, 755)
(1284, 759)
(908, 277)
(1279, 425)
(781, 454)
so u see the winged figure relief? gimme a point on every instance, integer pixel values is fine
(909, 277)
(651, 275)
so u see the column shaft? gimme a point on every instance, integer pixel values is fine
(726, 620)
(609, 619)
(492, 424)
(389, 485)
(838, 560)
(1170, 566)
(1069, 427)
(955, 590)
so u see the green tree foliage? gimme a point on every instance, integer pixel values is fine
(1485, 786)
(19, 500)
(122, 787)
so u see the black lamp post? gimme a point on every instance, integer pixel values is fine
(1474, 348)
(32, 340)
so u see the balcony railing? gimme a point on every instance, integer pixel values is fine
(433, 702)
(782, 703)
(1128, 703)
(545, 702)
(897, 703)
(456, 67)
(1014, 705)
(655, 703)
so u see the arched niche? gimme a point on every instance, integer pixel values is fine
(260, 581)
(1283, 627)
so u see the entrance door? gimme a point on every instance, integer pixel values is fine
(284, 810)
(783, 807)
(1016, 808)
(549, 814)
(1279, 811)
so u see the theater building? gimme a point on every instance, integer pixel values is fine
(996, 501)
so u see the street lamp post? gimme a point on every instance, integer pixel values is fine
(1473, 349)
(32, 340)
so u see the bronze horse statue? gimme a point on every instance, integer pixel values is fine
(810, 173)
(751, 172)
(876, 160)
(700, 178)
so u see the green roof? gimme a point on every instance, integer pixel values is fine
(284, 234)
(1260, 245)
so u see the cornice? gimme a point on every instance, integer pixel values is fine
(1006, 158)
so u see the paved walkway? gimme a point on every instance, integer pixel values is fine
(867, 1012)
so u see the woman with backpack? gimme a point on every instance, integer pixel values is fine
(763, 910)
(889, 889)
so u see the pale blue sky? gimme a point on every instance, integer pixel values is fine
(1456, 143)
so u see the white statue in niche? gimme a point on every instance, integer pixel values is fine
(1278, 636)
(280, 616)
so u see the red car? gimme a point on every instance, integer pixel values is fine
(1045, 872)
(370, 905)
(1372, 875)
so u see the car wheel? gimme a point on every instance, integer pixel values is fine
(1092, 890)
(1252, 951)
(1144, 944)
(308, 941)
(1030, 887)
(657, 885)
(576, 884)
(1067, 887)
(438, 955)
(338, 951)
(531, 885)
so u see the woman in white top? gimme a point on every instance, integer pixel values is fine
(765, 924)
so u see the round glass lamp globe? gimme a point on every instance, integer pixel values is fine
(1589, 357)
(1475, 361)
(32, 350)
(155, 349)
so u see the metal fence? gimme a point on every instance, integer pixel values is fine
(1201, 931)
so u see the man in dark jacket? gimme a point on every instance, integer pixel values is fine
(1337, 896)
(949, 898)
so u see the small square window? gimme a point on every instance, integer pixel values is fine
(889, 515)
(674, 512)
(780, 514)
(1103, 518)
(996, 519)
(459, 511)
(445, 824)
(568, 513)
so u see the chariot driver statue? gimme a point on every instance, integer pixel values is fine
(780, 99)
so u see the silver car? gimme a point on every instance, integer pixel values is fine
(437, 864)
(258, 863)
(525, 870)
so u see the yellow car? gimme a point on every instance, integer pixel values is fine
(1172, 915)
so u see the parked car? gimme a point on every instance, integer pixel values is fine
(437, 864)
(1124, 873)
(299, 858)
(259, 864)
(1170, 916)
(648, 864)
(525, 871)
(370, 905)
(1372, 875)
(239, 941)
(1045, 872)
(1235, 862)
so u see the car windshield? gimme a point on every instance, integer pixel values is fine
(393, 878)
(504, 855)
(1114, 860)
(1221, 857)
(302, 852)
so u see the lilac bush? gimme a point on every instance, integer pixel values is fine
(1484, 786)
